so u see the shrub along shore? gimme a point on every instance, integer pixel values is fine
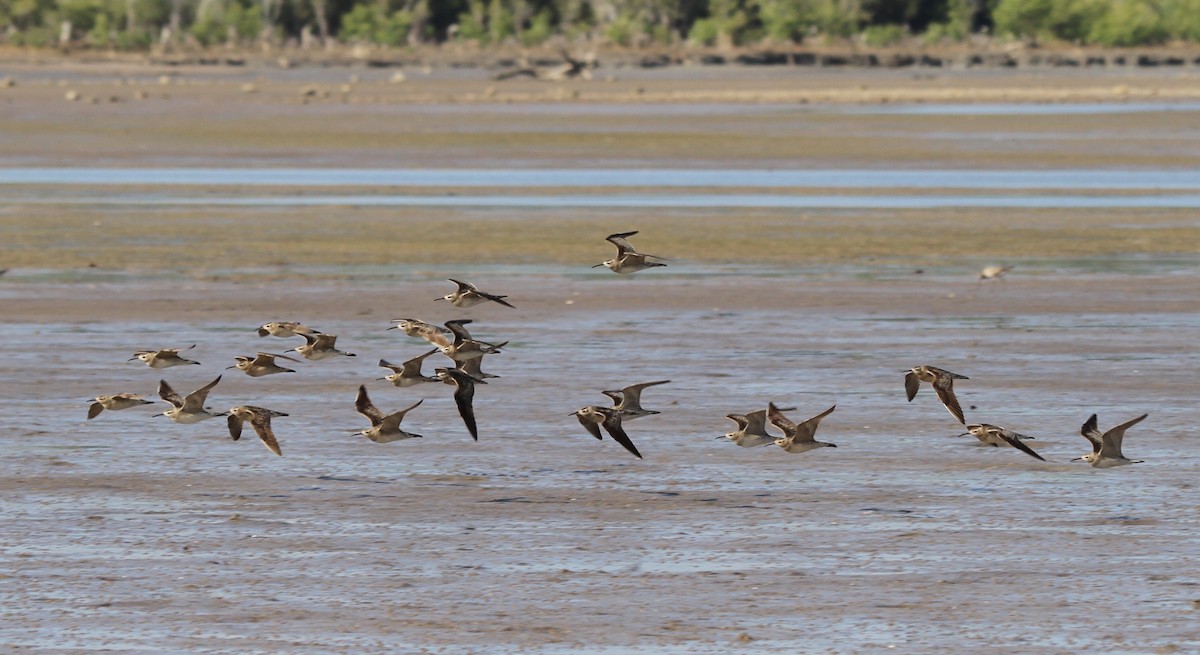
(559, 60)
(172, 25)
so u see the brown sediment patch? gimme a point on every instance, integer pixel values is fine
(196, 238)
(768, 118)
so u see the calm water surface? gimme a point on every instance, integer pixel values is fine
(1126, 179)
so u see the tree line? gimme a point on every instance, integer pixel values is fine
(143, 24)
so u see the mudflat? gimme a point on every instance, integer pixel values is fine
(131, 533)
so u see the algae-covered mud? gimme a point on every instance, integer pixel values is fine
(129, 533)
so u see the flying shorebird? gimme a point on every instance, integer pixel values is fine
(798, 438)
(435, 335)
(464, 395)
(115, 402)
(592, 417)
(320, 346)
(260, 420)
(628, 401)
(261, 364)
(1106, 448)
(384, 429)
(942, 381)
(993, 272)
(285, 329)
(164, 358)
(994, 435)
(472, 368)
(190, 409)
(752, 429)
(464, 347)
(409, 373)
(468, 295)
(627, 260)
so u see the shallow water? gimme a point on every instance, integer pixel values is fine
(1028, 109)
(129, 533)
(663, 201)
(540, 539)
(1101, 179)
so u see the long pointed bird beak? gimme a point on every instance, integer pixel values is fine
(598, 265)
(438, 298)
(963, 434)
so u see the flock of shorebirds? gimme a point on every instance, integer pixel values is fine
(467, 353)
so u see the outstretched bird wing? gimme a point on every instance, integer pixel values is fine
(807, 430)
(943, 385)
(460, 332)
(591, 426)
(391, 422)
(235, 425)
(612, 423)
(194, 402)
(168, 394)
(412, 367)
(1011, 439)
(261, 422)
(911, 384)
(780, 421)
(1111, 441)
(363, 404)
(633, 393)
(464, 396)
(618, 240)
(1092, 434)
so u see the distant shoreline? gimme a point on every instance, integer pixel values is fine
(987, 54)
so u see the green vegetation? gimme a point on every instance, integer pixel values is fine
(138, 24)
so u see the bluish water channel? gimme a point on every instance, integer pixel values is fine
(665, 201)
(1149, 179)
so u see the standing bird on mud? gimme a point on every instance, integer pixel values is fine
(943, 383)
(627, 260)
